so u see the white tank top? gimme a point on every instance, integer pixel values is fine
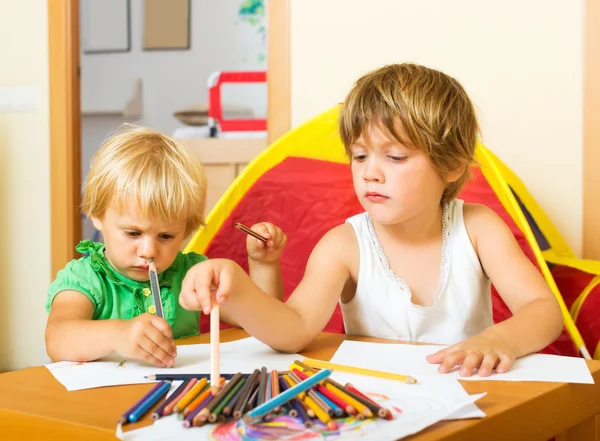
(382, 304)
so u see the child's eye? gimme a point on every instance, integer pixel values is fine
(166, 236)
(359, 158)
(132, 233)
(397, 158)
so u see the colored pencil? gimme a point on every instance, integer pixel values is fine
(201, 417)
(248, 231)
(240, 406)
(168, 410)
(284, 397)
(188, 420)
(375, 408)
(228, 409)
(319, 412)
(354, 370)
(198, 400)
(313, 395)
(149, 402)
(215, 363)
(159, 411)
(153, 276)
(178, 377)
(226, 399)
(190, 395)
(262, 386)
(125, 417)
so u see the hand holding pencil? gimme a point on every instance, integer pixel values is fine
(265, 241)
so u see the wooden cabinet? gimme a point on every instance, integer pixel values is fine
(223, 160)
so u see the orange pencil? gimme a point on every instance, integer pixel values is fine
(192, 393)
(215, 363)
(199, 399)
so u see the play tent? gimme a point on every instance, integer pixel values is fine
(302, 183)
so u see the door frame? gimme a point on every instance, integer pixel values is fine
(65, 131)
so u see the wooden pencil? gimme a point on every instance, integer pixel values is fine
(125, 417)
(247, 390)
(159, 411)
(226, 399)
(248, 231)
(201, 417)
(262, 386)
(375, 408)
(215, 361)
(168, 410)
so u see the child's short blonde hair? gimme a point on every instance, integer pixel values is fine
(433, 108)
(141, 165)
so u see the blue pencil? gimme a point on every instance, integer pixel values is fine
(141, 410)
(125, 417)
(284, 397)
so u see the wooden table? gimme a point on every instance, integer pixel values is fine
(33, 405)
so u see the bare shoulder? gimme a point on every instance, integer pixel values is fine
(481, 219)
(340, 243)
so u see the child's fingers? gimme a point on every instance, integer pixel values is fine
(156, 346)
(489, 361)
(163, 326)
(224, 285)
(439, 356)
(471, 361)
(451, 360)
(505, 364)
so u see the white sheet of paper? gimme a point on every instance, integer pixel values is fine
(410, 360)
(421, 406)
(238, 356)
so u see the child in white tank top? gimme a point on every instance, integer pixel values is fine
(418, 264)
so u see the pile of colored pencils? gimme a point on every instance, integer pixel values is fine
(302, 392)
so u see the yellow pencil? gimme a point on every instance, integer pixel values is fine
(192, 393)
(355, 370)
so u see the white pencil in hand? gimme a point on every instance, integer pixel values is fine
(215, 362)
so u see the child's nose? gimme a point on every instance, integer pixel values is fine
(147, 249)
(372, 172)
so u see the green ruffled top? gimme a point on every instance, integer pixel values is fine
(115, 296)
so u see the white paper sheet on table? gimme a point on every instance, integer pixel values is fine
(238, 356)
(410, 360)
(421, 405)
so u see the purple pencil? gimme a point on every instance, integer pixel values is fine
(188, 421)
(125, 417)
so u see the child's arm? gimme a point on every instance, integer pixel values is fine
(263, 263)
(71, 334)
(537, 319)
(289, 326)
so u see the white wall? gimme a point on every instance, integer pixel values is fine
(171, 79)
(520, 61)
(24, 186)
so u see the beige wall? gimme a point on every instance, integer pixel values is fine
(24, 186)
(520, 61)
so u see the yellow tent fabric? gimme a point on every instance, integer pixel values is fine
(318, 139)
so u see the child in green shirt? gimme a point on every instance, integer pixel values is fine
(145, 193)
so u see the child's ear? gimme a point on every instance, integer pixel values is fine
(97, 223)
(455, 174)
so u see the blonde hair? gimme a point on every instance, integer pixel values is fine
(433, 108)
(142, 165)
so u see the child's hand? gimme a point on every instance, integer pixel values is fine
(270, 252)
(480, 352)
(207, 283)
(147, 337)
